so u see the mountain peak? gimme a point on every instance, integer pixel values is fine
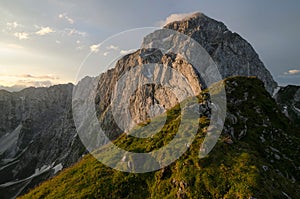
(232, 53)
(183, 17)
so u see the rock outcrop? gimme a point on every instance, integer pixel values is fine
(288, 99)
(148, 95)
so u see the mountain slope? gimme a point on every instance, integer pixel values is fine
(37, 137)
(251, 159)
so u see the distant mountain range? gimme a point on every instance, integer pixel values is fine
(26, 84)
(13, 88)
(256, 156)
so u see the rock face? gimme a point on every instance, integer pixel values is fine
(233, 55)
(288, 99)
(37, 137)
(149, 97)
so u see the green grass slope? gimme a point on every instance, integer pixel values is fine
(261, 162)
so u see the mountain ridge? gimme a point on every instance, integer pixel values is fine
(236, 168)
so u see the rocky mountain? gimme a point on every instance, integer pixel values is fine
(37, 132)
(257, 156)
(37, 137)
(232, 54)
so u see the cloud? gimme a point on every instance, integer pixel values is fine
(13, 25)
(21, 35)
(66, 17)
(105, 53)
(292, 72)
(125, 52)
(176, 17)
(44, 31)
(73, 31)
(51, 77)
(112, 47)
(77, 42)
(94, 48)
(30, 76)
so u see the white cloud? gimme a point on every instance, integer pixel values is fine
(292, 72)
(44, 31)
(30, 76)
(74, 32)
(105, 53)
(66, 17)
(176, 17)
(94, 48)
(12, 25)
(77, 42)
(112, 47)
(125, 52)
(21, 35)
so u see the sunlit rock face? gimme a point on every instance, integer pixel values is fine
(233, 54)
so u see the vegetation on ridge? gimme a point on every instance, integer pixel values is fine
(261, 160)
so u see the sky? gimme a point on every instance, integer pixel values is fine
(46, 42)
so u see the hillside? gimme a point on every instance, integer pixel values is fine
(257, 156)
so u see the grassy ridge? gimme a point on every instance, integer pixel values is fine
(246, 168)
